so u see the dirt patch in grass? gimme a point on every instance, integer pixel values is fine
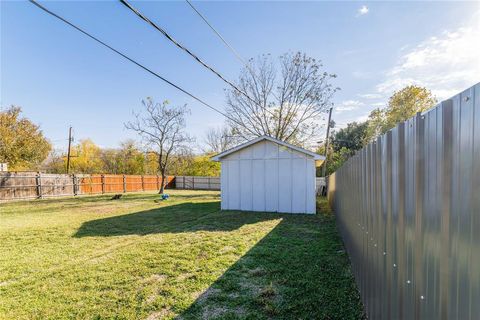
(227, 249)
(205, 295)
(158, 315)
(155, 278)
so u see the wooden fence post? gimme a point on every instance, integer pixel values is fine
(103, 183)
(75, 185)
(38, 180)
(124, 184)
(209, 183)
(143, 183)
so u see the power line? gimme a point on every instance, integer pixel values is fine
(138, 64)
(189, 52)
(176, 43)
(239, 57)
(179, 45)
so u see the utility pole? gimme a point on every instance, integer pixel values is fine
(324, 167)
(70, 139)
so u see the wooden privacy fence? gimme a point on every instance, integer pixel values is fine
(32, 185)
(408, 208)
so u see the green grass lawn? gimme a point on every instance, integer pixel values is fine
(138, 258)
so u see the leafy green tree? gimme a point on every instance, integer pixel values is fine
(87, 157)
(343, 144)
(351, 137)
(402, 105)
(203, 166)
(151, 164)
(130, 159)
(22, 143)
(335, 158)
(111, 161)
(55, 162)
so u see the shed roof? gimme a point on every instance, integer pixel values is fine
(225, 153)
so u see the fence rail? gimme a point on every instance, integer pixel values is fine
(33, 185)
(199, 183)
(408, 208)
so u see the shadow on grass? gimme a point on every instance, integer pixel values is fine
(184, 217)
(298, 271)
(82, 199)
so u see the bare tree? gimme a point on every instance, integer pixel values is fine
(161, 128)
(286, 104)
(220, 139)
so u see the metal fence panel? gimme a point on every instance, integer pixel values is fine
(408, 208)
(197, 183)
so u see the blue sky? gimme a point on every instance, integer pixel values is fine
(60, 77)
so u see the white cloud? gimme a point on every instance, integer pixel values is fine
(362, 11)
(446, 64)
(348, 105)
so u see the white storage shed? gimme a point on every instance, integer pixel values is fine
(266, 174)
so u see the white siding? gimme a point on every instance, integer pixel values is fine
(224, 185)
(268, 177)
(258, 184)
(299, 170)
(284, 184)
(246, 194)
(234, 183)
(271, 185)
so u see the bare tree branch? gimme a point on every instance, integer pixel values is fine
(287, 104)
(220, 139)
(161, 128)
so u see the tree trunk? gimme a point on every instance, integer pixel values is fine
(162, 184)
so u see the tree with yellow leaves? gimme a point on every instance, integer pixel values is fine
(22, 143)
(402, 105)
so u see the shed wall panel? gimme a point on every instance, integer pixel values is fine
(271, 185)
(268, 177)
(258, 150)
(285, 185)
(234, 185)
(299, 192)
(258, 184)
(246, 185)
(224, 185)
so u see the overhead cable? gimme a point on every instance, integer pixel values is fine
(139, 64)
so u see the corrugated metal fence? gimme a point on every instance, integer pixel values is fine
(408, 207)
